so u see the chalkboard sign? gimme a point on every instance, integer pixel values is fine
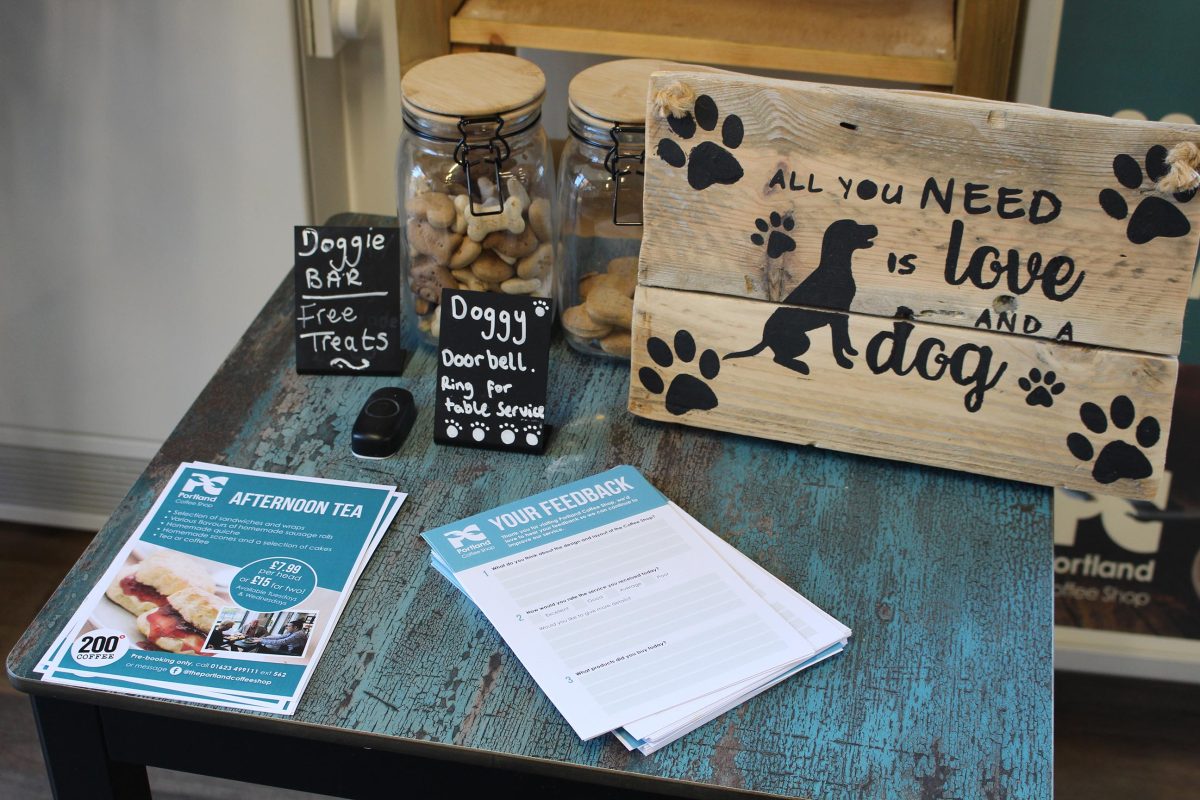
(348, 301)
(493, 355)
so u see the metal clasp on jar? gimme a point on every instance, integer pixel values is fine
(625, 162)
(482, 144)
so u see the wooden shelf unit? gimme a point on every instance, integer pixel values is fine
(965, 46)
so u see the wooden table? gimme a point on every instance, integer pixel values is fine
(944, 691)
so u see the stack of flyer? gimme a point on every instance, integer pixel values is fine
(228, 590)
(633, 617)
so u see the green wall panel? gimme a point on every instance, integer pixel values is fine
(1139, 54)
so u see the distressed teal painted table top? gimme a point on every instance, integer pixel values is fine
(944, 691)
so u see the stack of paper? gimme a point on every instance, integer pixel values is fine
(228, 590)
(632, 617)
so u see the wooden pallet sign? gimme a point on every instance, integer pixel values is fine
(977, 285)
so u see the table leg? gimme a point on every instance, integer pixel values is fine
(77, 758)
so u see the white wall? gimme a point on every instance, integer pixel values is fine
(151, 168)
(1037, 47)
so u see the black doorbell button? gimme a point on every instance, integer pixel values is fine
(383, 407)
(383, 423)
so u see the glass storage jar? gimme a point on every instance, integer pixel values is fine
(474, 183)
(600, 203)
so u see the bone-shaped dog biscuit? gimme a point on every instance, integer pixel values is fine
(509, 219)
(426, 239)
(435, 207)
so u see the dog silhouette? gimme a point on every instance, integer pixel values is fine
(831, 285)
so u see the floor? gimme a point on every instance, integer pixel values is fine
(1114, 738)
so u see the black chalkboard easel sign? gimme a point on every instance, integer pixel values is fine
(493, 356)
(348, 301)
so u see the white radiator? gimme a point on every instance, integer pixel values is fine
(62, 488)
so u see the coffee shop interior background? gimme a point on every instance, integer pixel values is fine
(155, 156)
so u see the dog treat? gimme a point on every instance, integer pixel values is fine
(617, 343)
(431, 290)
(491, 269)
(467, 252)
(450, 247)
(487, 190)
(604, 316)
(536, 264)
(539, 218)
(427, 240)
(509, 219)
(428, 278)
(521, 286)
(588, 282)
(577, 322)
(625, 284)
(421, 182)
(511, 245)
(517, 189)
(607, 305)
(474, 284)
(436, 208)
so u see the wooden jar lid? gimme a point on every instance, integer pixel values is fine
(615, 92)
(448, 88)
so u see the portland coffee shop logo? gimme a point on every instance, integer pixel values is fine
(462, 539)
(199, 482)
(700, 146)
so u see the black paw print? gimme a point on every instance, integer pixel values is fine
(708, 163)
(686, 392)
(779, 242)
(1041, 388)
(1118, 459)
(1153, 216)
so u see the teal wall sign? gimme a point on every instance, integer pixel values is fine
(1115, 55)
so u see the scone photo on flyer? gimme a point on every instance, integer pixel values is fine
(181, 604)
